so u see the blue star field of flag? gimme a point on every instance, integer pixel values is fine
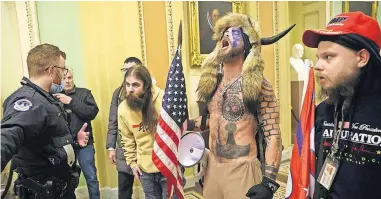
(175, 98)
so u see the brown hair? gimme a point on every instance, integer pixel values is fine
(41, 56)
(63, 54)
(149, 114)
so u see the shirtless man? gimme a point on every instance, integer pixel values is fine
(233, 86)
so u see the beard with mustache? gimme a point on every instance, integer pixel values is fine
(135, 102)
(230, 55)
(344, 90)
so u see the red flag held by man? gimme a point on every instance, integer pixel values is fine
(301, 180)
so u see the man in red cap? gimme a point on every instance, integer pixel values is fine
(348, 122)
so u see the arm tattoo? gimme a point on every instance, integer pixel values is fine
(269, 110)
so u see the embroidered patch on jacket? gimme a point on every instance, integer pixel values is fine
(22, 105)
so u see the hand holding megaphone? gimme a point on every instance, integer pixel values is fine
(195, 124)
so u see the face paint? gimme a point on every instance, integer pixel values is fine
(236, 36)
(232, 44)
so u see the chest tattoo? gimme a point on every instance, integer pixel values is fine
(232, 105)
(233, 110)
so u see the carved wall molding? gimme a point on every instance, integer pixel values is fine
(142, 34)
(330, 10)
(28, 29)
(257, 5)
(309, 15)
(276, 48)
(170, 34)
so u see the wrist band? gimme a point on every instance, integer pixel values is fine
(270, 183)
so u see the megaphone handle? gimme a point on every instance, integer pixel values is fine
(199, 177)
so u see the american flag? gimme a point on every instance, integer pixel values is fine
(301, 180)
(171, 125)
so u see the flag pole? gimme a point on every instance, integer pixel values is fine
(180, 37)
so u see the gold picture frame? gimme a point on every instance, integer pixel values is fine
(194, 30)
(374, 7)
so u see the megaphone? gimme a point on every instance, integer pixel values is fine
(192, 149)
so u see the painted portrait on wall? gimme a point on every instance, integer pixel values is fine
(208, 13)
(367, 7)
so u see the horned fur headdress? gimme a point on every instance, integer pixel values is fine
(253, 65)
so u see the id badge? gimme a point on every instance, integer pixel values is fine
(328, 172)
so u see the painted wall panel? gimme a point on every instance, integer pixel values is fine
(58, 24)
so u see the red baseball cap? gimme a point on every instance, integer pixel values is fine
(346, 23)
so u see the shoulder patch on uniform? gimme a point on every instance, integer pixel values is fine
(22, 105)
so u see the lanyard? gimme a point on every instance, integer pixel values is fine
(336, 133)
(347, 107)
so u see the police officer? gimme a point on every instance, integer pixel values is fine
(35, 132)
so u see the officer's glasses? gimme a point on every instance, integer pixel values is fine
(65, 70)
(124, 69)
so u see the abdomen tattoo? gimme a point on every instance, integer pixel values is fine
(231, 150)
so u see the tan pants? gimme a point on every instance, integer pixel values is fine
(230, 180)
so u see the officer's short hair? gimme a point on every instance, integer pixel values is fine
(133, 59)
(42, 56)
(63, 54)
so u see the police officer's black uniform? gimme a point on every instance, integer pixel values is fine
(36, 136)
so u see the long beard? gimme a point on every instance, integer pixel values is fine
(229, 56)
(342, 91)
(134, 102)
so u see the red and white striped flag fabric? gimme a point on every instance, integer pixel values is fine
(301, 179)
(171, 125)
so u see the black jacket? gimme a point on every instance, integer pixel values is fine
(359, 173)
(35, 133)
(83, 108)
(113, 137)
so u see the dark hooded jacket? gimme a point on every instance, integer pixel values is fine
(359, 173)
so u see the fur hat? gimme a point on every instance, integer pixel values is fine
(253, 65)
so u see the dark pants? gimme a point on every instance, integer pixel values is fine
(155, 185)
(86, 160)
(125, 185)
